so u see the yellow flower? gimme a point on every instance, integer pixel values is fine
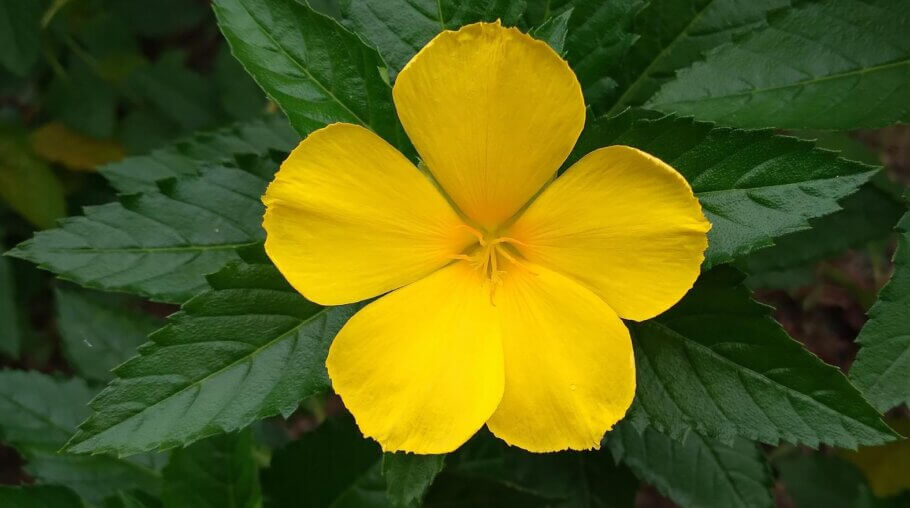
(506, 287)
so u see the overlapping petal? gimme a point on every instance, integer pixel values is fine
(493, 113)
(624, 224)
(421, 368)
(569, 369)
(348, 217)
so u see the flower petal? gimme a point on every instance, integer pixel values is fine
(570, 373)
(421, 368)
(624, 224)
(493, 113)
(348, 217)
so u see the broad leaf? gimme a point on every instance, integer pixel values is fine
(20, 33)
(248, 348)
(37, 416)
(38, 496)
(717, 363)
(883, 362)
(333, 466)
(216, 472)
(399, 28)
(698, 471)
(187, 157)
(838, 64)
(316, 70)
(159, 244)
(408, 476)
(753, 186)
(100, 331)
(675, 33)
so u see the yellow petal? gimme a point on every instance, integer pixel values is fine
(493, 114)
(421, 368)
(348, 217)
(570, 373)
(624, 224)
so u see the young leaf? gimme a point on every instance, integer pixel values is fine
(215, 472)
(675, 33)
(408, 476)
(37, 416)
(159, 244)
(20, 32)
(99, 331)
(317, 71)
(753, 186)
(717, 363)
(881, 366)
(839, 64)
(248, 348)
(333, 466)
(696, 472)
(38, 496)
(186, 157)
(399, 28)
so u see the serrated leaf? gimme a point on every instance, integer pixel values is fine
(399, 28)
(408, 476)
(20, 32)
(883, 362)
(696, 472)
(159, 244)
(27, 184)
(188, 156)
(248, 348)
(839, 64)
(554, 31)
(317, 71)
(216, 472)
(672, 34)
(717, 363)
(38, 496)
(37, 416)
(100, 331)
(753, 186)
(333, 466)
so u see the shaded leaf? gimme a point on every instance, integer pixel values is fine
(39, 496)
(27, 184)
(887, 467)
(839, 64)
(408, 476)
(184, 96)
(19, 34)
(830, 481)
(10, 323)
(554, 31)
(55, 142)
(248, 348)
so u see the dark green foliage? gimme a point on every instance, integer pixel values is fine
(408, 476)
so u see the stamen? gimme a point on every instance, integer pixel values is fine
(474, 232)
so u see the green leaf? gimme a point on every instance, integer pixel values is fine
(698, 471)
(399, 28)
(408, 476)
(867, 216)
(675, 33)
(248, 348)
(215, 472)
(333, 466)
(239, 96)
(182, 95)
(37, 416)
(83, 100)
(159, 244)
(20, 33)
(830, 481)
(881, 366)
(27, 184)
(100, 331)
(717, 363)
(317, 71)
(10, 324)
(554, 31)
(839, 64)
(753, 186)
(38, 496)
(186, 157)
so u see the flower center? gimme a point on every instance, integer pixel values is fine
(490, 256)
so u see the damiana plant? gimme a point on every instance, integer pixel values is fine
(488, 253)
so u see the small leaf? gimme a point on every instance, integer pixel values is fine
(753, 186)
(215, 472)
(38, 496)
(99, 331)
(408, 476)
(718, 363)
(38, 414)
(333, 466)
(554, 31)
(248, 348)
(55, 142)
(697, 471)
(881, 366)
(20, 33)
(29, 186)
(839, 64)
